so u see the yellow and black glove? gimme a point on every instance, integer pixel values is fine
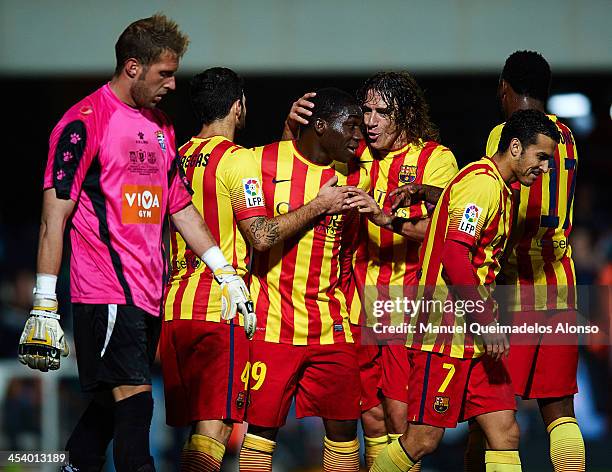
(235, 296)
(42, 342)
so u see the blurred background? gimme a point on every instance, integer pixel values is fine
(52, 54)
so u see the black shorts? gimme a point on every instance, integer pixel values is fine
(115, 345)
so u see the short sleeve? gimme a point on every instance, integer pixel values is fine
(439, 170)
(493, 141)
(241, 176)
(474, 201)
(73, 144)
(179, 189)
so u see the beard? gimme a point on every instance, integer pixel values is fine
(140, 93)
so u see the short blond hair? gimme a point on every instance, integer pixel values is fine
(147, 39)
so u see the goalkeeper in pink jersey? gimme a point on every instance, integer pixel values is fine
(113, 177)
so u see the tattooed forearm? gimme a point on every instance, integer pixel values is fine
(265, 230)
(263, 233)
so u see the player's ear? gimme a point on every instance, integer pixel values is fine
(237, 109)
(320, 126)
(132, 68)
(516, 148)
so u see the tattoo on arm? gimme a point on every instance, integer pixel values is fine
(264, 229)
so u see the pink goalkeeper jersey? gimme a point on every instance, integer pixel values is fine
(118, 164)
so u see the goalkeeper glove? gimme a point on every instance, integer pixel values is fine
(42, 340)
(235, 295)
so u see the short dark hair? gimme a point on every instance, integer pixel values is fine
(146, 40)
(329, 103)
(407, 103)
(525, 125)
(528, 73)
(213, 92)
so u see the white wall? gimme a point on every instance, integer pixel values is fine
(62, 36)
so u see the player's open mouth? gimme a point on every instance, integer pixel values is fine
(373, 136)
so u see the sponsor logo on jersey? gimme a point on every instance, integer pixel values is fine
(252, 192)
(554, 243)
(282, 208)
(192, 261)
(161, 139)
(407, 174)
(141, 138)
(469, 219)
(141, 204)
(441, 404)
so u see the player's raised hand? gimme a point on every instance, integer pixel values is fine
(42, 342)
(364, 203)
(495, 342)
(298, 115)
(332, 198)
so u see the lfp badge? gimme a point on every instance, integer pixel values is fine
(469, 220)
(407, 174)
(252, 192)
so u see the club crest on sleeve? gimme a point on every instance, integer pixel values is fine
(252, 192)
(469, 219)
(441, 404)
(161, 139)
(407, 174)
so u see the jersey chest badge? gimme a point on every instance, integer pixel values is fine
(407, 174)
(161, 139)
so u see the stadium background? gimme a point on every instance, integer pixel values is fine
(54, 53)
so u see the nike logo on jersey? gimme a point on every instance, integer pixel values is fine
(278, 181)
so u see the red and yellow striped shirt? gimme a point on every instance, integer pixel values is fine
(476, 209)
(296, 286)
(226, 182)
(385, 262)
(540, 265)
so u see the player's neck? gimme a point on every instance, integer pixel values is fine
(225, 128)
(400, 142)
(522, 102)
(121, 89)
(504, 166)
(311, 149)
